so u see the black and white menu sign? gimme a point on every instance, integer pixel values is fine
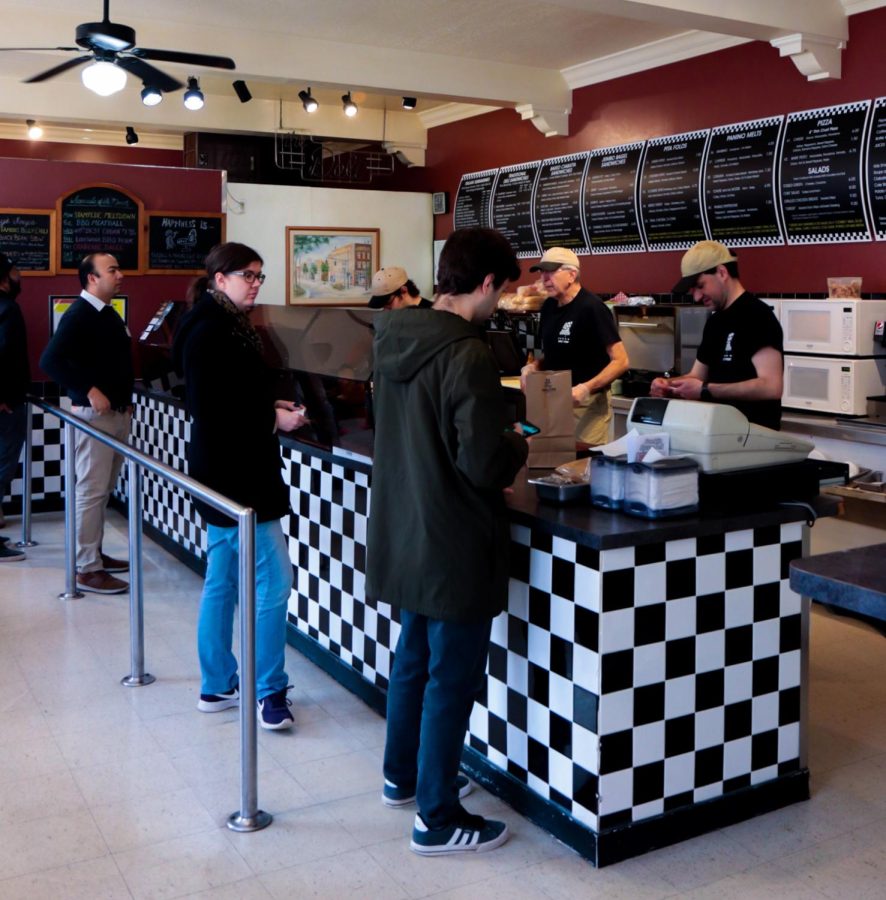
(821, 175)
(472, 200)
(670, 191)
(739, 184)
(610, 200)
(876, 169)
(557, 203)
(512, 207)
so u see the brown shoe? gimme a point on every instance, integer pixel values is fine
(100, 582)
(109, 564)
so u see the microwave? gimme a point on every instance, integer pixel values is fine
(832, 385)
(831, 327)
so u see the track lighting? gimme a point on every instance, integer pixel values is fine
(409, 102)
(103, 78)
(193, 95)
(307, 101)
(35, 132)
(131, 136)
(151, 96)
(348, 105)
(242, 91)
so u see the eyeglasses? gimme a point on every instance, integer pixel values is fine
(250, 277)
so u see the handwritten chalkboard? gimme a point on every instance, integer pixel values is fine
(472, 199)
(876, 180)
(512, 207)
(557, 203)
(26, 236)
(179, 241)
(610, 200)
(99, 217)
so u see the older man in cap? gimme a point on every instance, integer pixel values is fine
(740, 359)
(579, 333)
(392, 288)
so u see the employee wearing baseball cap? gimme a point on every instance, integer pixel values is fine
(578, 332)
(393, 289)
(740, 359)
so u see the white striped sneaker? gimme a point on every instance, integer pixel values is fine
(467, 833)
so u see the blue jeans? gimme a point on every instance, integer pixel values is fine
(215, 626)
(437, 674)
(12, 436)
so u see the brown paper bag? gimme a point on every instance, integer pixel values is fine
(549, 406)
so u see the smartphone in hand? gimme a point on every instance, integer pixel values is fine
(527, 428)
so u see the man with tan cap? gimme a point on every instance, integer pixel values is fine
(393, 289)
(740, 359)
(579, 333)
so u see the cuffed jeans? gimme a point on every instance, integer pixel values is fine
(215, 625)
(437, 674)
(12, 436)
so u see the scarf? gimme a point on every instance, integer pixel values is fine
(240, 323)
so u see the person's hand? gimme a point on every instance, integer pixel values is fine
(518, 428)
(284, 404)
(98, 401)
(526, 370)
(290, 417)
(685, 388)
(581, 393)
(660, 387)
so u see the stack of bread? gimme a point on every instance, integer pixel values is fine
(527, 298)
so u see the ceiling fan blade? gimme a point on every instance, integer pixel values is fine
(149, 74)
(15, 49)
(177, 56)
(57, 70)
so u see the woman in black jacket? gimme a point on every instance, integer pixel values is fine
(234, 450)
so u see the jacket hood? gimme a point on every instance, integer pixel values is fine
(406, 340)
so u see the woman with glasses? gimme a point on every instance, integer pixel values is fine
(234, 450)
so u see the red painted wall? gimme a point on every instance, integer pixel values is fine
(86, 152)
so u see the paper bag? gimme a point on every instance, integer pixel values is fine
(549, 406)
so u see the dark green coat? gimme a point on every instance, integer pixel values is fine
(438, 526)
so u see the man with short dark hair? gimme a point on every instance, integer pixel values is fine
(392, 288)
(740, 359)
(90, 355)
(438, 530)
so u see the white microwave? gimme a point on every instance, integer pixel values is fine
(829, 384)
(832, 327)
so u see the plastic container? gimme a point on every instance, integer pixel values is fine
(661, 489)
(608, 481)
(560, 490)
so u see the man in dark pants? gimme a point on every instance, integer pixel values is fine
(443, 457)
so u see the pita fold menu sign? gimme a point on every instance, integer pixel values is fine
(473, 198)
(99, 218)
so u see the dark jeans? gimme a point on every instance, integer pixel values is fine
(438, 672)
(12, 437)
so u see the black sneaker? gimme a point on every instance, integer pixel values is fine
(10, 554)
(468, 833)
(218, 702)
(394, 796)
(273, 711)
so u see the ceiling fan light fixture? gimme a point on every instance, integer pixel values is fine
(307, 101)
(348, 105)
(151, 95)
(103, 78)
(193, 98)
(409, 102)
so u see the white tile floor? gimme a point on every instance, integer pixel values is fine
(114, 792)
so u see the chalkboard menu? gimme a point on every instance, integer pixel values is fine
(670, 191)
(26, 236)
(821, 171)
(99, 217)
(739, 184)
(610, 200)
(876, 169)
(472, 200)
(557, 203)
(512, 207)
(180, 241)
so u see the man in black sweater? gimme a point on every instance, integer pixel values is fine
(90, 356)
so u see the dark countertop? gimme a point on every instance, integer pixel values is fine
(852, 579)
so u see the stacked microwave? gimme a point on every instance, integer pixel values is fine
(833, 362)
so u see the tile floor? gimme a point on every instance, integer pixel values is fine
(114, 792)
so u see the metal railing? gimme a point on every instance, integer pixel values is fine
(249, 817)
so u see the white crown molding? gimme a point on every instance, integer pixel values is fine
(852, 7)
(452, 112)
(62, 134)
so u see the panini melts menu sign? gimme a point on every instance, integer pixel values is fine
(609, 206)
(28, 237)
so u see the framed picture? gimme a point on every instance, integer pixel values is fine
(439, 203)
(330, 266)
(59, 304)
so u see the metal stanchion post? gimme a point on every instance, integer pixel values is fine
(70, 592)
(26, 485)
(137, 676)
(249, 817)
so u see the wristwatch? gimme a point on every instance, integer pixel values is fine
(706, 394)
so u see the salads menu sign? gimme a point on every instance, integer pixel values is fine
(472, 200)
(512, 207)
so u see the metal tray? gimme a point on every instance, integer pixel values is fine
(552, 489)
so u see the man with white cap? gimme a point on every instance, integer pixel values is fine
(740, 359)
(392, 288)
(579, 333)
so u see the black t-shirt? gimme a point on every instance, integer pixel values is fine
(575, 336)
(731, 337)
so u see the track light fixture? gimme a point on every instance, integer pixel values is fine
(131, 136)
(103, 78)
(348, 105)
(409, 102)
(151, 95)
(35, 132)
(307, 101)
(242, 91)
(193, 98)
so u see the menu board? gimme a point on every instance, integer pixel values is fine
(512, 207)
(739, 184)
(670, 191)
(821, 175)
(610, 200)
(876, 169)
(26, 236)
(557, 203)
(99, 218)
(472, 199)
(179, 241)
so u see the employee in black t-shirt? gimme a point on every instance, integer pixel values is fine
(740, 359)
(392, 288)
(578, 332)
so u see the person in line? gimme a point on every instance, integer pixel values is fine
(229, 391)
(740, 360)
(443, 458)
(578, 332)
(392, 288)
(90, 356)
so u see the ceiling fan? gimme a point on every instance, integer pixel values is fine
(113, 51)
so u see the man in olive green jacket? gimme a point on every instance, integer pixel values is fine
(438, 530)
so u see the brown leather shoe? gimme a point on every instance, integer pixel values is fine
(109, 564)
(100, 582)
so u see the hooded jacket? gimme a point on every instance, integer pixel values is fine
(438, 527)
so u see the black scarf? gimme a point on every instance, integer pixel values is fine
(240, 323)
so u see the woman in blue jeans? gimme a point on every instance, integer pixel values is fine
(234, 450)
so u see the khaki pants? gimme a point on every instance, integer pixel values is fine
(592, 419)
(97, 467)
